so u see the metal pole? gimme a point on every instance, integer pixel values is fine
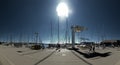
(58, 30)
(66, 30)
(73, 36)
(36, 37)
(20, 38)
(51, 33)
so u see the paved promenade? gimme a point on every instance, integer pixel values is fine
(25, 56)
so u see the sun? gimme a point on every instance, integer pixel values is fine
(62, 9)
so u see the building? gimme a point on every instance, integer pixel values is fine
(114, 43)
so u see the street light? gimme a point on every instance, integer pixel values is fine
(62, 11)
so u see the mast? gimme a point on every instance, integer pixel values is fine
(20, 40)
(11, 38)
(66, 30)
(51, 33)
(36, 33)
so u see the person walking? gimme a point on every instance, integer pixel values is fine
(90, 48)
(58, 47)
(93, 48)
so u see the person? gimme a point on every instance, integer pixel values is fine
(104, 46)
(93, 48)
(118, 43)
(43, 47)
(90, 48)
(113, 45)
(58, 47)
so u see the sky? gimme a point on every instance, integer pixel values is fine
(20, 19)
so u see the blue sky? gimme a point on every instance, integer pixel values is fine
(26, 17)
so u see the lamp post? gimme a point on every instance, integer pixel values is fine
(62, 11)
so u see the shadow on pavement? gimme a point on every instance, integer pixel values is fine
(19, 51)
(95, 54)
(91, 55)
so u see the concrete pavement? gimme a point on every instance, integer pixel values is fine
(112, 59)
(26, 56)
(14, 58)
(64, 57)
